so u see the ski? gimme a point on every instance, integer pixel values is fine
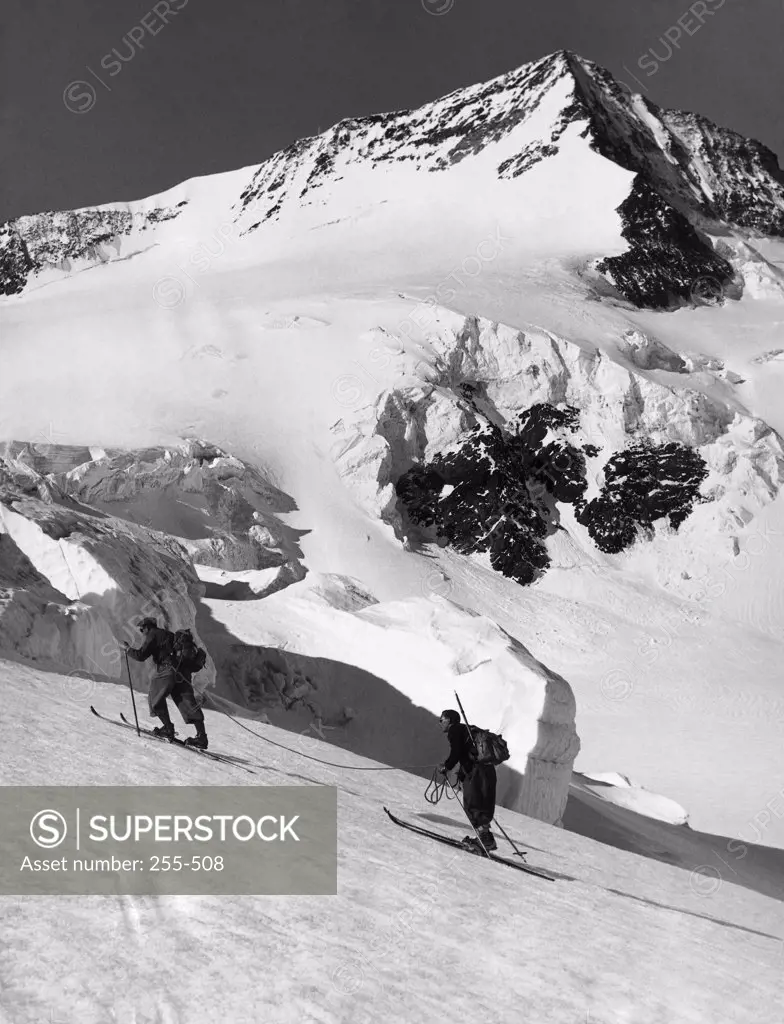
(232, 758)
(448, 841)
(125, 724)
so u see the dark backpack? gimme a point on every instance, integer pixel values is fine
(489, 747)
(164, 655)
(191, 657)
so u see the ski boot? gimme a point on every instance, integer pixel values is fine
(488, 843)
(200, 739)
(166, 731)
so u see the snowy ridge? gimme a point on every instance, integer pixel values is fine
(338, 653)
(693, 163)
(688, 174)
(436, 137)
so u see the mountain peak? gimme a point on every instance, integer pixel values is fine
(689, 176)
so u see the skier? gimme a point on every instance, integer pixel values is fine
(478, 780)
(169, 680)
(189, 659)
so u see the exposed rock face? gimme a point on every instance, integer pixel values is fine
(667, 262)
(695, 165)
(497, 493)
(33, 243)
(698, 167)
(643, 484)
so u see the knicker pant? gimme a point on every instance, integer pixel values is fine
(479, 795)
(161, 686)
(184, 697)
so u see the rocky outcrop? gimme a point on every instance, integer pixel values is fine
(697, 167)
(667, 262)
(518, 424)
(61, 240)
(710, 174)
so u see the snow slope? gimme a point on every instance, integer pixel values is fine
(418, 932)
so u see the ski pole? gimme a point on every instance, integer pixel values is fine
(133, 698)
(473, 826)
(520, 853)
(465, 716)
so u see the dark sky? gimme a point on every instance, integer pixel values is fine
(212, 85)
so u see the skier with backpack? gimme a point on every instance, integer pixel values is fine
(477, 751)
(189, 659)
(176, 657)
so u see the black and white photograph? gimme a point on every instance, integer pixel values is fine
(392, 512)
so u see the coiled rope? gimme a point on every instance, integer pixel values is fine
(438, 784)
